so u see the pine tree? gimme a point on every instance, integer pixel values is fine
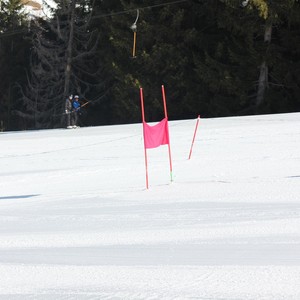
(62, 63)
(114, 56)
(275, 17)
(13, 54)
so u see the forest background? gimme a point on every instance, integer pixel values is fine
(214, 57)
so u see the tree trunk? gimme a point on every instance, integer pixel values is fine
(263, 76)
(9, 106)
(69, 51)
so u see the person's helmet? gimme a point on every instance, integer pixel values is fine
(71, 96)
(76, 97)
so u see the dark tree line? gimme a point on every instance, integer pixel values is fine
(215, 58)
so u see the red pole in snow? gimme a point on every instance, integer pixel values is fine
(145, 150)
(198, 119)
(166, 116)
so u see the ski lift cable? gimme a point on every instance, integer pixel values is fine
(3, 34)
(140, 8)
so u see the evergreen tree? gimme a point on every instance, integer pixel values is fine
(114, 53)
(62, 63)
(13, 54)
(276, 19)
(158, 59)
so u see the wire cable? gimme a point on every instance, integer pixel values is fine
(140, 8)
(9, 33)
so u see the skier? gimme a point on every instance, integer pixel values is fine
(68, 110)
(75, 111)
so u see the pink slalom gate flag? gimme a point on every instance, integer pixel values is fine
(156, 135)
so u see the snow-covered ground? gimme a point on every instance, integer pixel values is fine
(76, 221)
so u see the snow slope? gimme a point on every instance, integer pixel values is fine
(76, 221)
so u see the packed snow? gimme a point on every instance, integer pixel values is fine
(77, 222)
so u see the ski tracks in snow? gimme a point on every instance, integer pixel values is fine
(162, 282)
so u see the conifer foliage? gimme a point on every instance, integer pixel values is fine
(62, 63)
(13, 59)
(215, 58)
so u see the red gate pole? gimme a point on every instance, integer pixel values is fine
(166, 116)
(198, 119)
(145, 150)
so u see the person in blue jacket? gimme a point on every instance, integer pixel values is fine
(75, 111)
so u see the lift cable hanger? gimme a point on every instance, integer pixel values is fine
(133, 27)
